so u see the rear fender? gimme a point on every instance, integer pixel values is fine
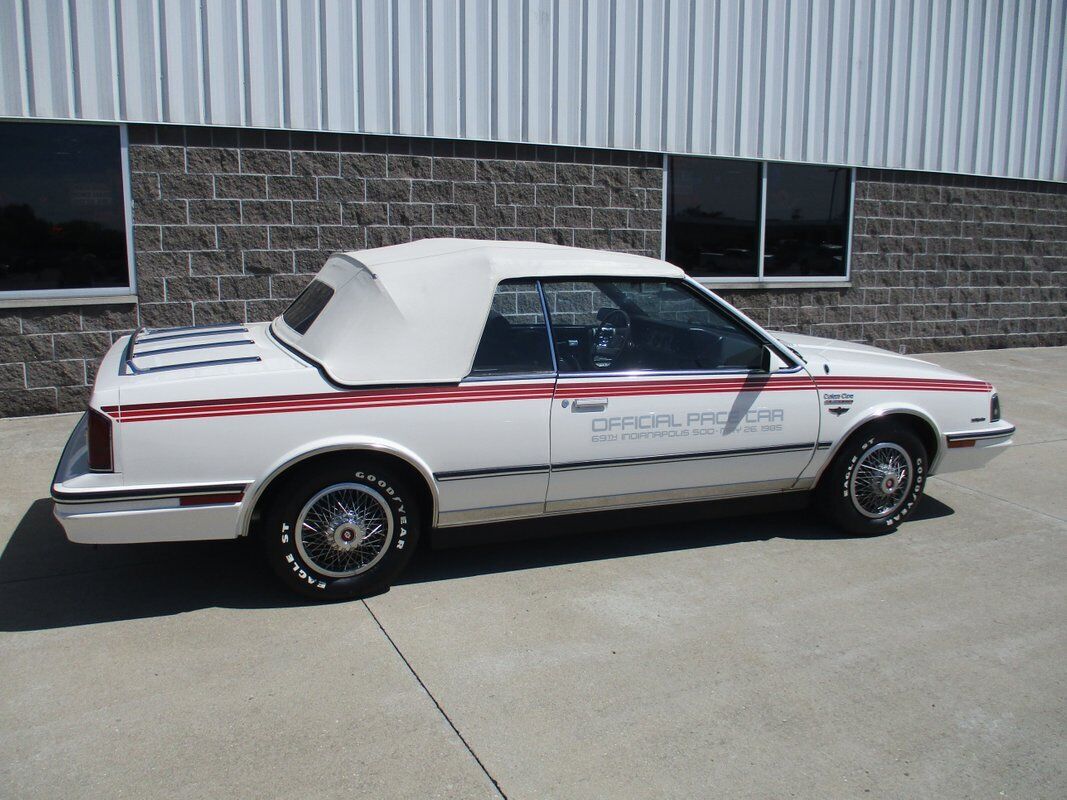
(333, 445)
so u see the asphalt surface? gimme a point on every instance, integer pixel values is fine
(750, 656)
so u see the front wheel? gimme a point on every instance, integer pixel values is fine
(876, 480)
(341, 532)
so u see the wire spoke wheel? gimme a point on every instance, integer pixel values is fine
(344, 530)
(881, 480)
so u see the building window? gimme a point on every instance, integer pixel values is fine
(744, 221)
(63, 212)
(713, 217)
(806, 229)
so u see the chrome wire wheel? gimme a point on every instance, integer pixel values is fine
(881, 480)
(344, 530)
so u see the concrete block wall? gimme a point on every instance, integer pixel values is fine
(939, 262)
(230, 225)
(48, 356)
(234, 228)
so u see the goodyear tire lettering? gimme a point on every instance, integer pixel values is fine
(305, 576)
(836, 488)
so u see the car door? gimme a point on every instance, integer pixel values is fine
(497, 463)
(661, 396)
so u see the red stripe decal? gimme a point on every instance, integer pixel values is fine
(280, 409)
(481, 393)
(378, 398)
(339, 399)
(210, 499)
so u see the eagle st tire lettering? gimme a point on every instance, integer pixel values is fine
(835, 491)
(288, 560)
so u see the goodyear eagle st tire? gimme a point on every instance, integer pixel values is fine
(341, 531)
(876, 481)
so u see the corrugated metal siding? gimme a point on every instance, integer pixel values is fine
(968, 86)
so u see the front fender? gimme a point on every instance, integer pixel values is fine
(332, 445)
(881, 411)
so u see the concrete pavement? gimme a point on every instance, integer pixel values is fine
(750, 656)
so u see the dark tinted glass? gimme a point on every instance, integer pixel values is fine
(62, 214)
(307, 306)
(712, 216)
(807, 221)
(515, 339)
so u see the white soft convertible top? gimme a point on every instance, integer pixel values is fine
(414, 313)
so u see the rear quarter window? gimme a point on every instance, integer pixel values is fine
(307, 306)
(515, 338)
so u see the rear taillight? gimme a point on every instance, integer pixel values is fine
(100, 450)
(994, 409)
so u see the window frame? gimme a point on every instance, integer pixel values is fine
(551, 372)
(702, 295)
(90, 295)
(761, 281)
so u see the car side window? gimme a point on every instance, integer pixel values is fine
(515, 338)
(601, 325)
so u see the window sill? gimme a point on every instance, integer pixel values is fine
(772, 284)
(87, 300)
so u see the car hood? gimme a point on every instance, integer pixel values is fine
(832, 356)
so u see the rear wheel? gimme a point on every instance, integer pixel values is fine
(875, 481)
(341, 532)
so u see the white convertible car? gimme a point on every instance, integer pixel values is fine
(451, 382)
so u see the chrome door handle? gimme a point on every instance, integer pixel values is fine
(590, 404)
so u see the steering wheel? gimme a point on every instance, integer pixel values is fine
(611, 337)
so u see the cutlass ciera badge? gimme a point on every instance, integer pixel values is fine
(841, 401)
(838, 398)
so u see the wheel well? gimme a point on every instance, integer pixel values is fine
(403, 469)
(916, 424)
(926, 433)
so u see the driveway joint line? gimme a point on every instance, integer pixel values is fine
(980, 493)
(429, 694)
(1039, 441)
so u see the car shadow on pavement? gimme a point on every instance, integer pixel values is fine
(617, 534)
(48, 582)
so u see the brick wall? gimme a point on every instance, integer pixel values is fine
(939, 262)
(234, 228)
(230, 225)
(49, 355)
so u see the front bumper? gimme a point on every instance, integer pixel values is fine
(96, 508)
(972, 449)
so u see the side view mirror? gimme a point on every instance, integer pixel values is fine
(770, 361)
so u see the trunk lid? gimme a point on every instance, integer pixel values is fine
(154, 350)
(176, 361)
